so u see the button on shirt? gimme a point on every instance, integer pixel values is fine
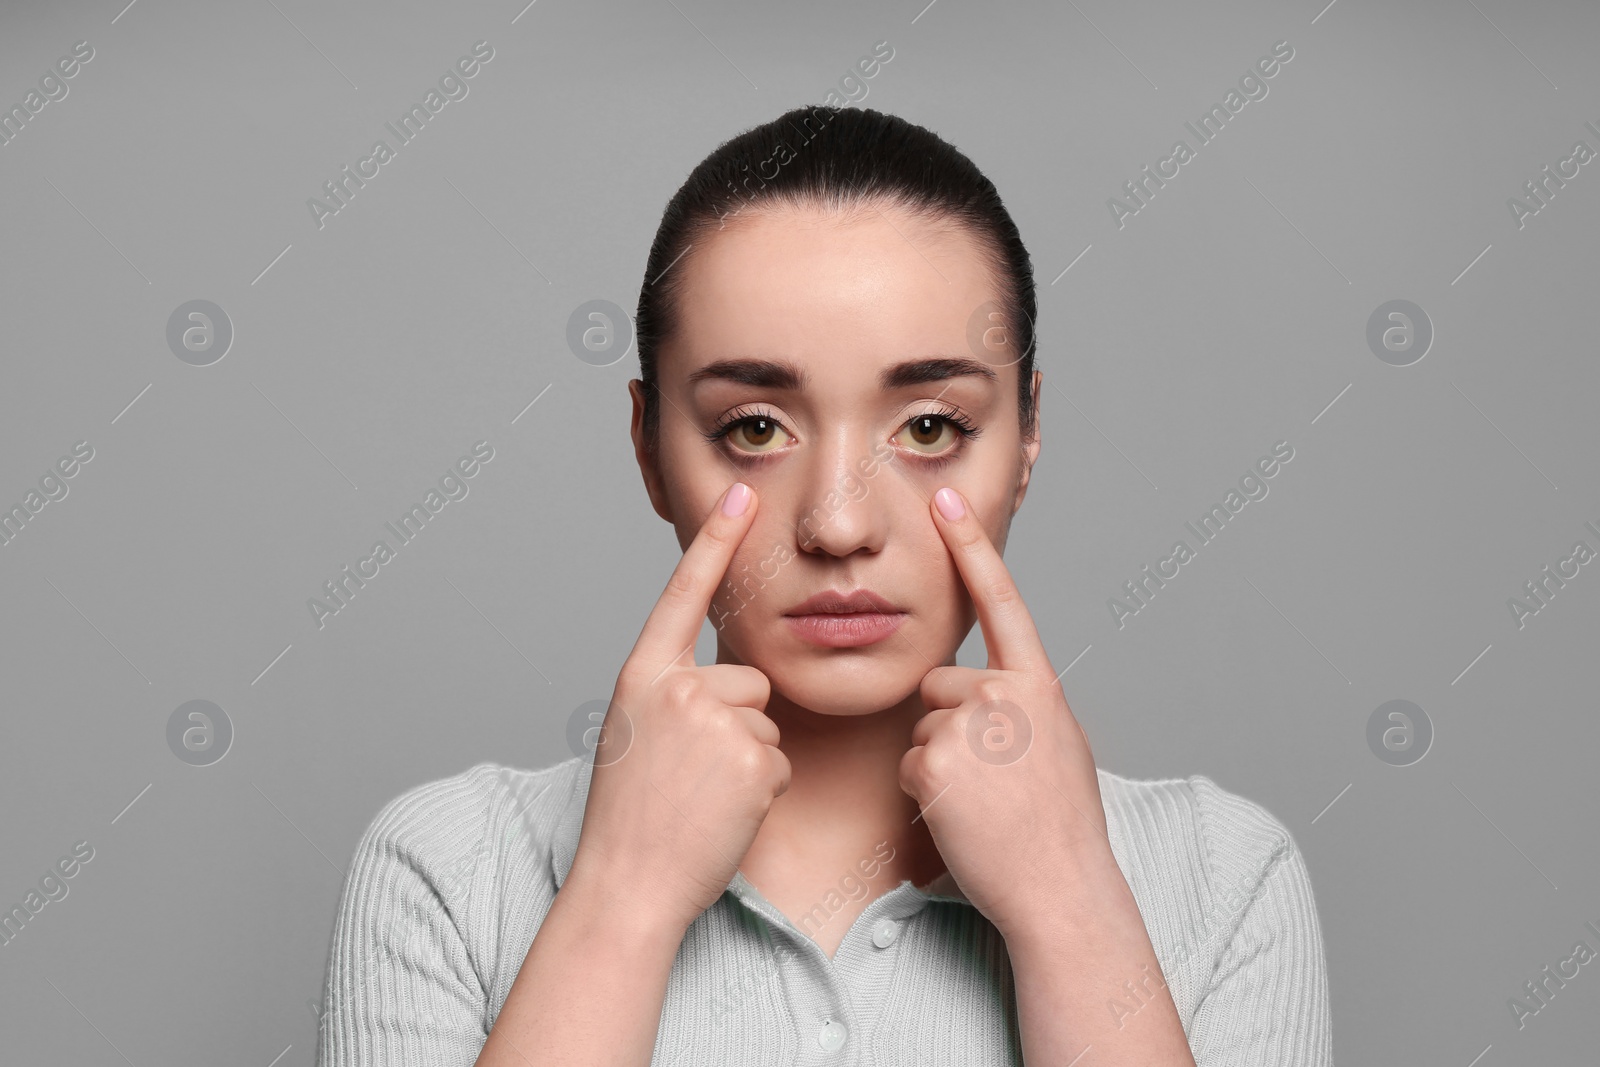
(452, 879)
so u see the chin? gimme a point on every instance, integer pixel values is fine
(844, 684)
(827, 699)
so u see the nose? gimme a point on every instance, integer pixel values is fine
(840, 510)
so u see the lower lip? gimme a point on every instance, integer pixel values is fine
(848, 630)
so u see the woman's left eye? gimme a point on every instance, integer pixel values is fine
(937, 433)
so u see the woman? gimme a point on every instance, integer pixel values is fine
(832, 845)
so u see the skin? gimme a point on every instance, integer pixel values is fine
(842, 300)
(877, 737)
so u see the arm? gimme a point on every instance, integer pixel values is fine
(403, 988)
(1065, 961)
(1052, 886)
(591, 988)
(590, 991)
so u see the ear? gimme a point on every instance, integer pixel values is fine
(648, 466)
(1030, 447)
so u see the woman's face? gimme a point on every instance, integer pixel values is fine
(843, 465)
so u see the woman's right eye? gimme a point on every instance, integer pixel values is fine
(750, 431)
(755, 433)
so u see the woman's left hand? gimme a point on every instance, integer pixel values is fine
(999, 766)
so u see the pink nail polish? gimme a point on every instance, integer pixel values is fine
(949, 504)
(737, 500)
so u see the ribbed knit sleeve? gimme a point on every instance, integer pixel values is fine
(400, 987)
(1266, 1003)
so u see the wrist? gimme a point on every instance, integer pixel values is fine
(612, 906)
(1084, 889)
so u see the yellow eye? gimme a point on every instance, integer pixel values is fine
(930, 431)
(756, 431)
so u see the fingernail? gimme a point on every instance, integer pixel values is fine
(737, 500)
(949, 504)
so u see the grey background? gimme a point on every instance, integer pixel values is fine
(370, 354)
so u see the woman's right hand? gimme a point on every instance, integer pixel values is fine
(687, 765)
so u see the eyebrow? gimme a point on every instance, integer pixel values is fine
(783, 375)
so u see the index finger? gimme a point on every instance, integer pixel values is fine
(674, 622)
(1008, 628)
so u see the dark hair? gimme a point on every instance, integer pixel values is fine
(837, 157)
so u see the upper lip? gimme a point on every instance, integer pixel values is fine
(833, 602)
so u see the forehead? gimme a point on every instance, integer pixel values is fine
(808, 285)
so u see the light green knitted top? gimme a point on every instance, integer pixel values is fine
(452, 878)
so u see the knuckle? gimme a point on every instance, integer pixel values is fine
(935, 762)
(761, 683)
(992, 689)
(1001, 592)
(683, 584)
(749, 762)
(723, 721)
(680, 689)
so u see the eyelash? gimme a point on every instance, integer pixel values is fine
(964, 426)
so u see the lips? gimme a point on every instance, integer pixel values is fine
(834, 602)
(834, 619)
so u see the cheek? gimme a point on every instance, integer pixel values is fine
(986, 477)
(755, 578)
(761, 558)
(693, 500)
(692, 479)
(932, 573)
